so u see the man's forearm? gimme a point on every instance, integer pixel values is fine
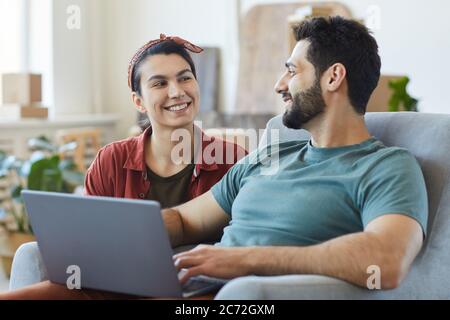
(346, 258)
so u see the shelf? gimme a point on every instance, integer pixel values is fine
(62, 121)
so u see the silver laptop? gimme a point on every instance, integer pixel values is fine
(118, 245)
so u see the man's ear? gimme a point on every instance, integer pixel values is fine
(335, 76)
(137, 100)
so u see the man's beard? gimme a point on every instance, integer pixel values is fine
(305, 106)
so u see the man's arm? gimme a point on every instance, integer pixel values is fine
(199, 220)
(390, 242)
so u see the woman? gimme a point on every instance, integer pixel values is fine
(155, 165)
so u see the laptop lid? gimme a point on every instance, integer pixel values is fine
(120, 245)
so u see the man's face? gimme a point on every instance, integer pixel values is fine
(300, 89)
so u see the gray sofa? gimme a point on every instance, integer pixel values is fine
(427, 136)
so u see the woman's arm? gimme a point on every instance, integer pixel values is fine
(95, 175)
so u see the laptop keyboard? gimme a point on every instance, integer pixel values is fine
(201, 285)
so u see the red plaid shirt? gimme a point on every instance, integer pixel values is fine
(119, 169)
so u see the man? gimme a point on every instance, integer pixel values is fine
(338, 203)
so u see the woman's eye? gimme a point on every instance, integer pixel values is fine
(159, 84)
(185, 78)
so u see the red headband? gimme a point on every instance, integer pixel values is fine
(162, 37)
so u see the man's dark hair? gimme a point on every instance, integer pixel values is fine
(338, 40)
(165, 47)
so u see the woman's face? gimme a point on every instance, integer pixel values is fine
(169, 91)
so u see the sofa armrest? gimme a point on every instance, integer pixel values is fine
(27, 267)
(294, 287)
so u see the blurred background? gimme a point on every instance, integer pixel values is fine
(64, 63)
(84, 63)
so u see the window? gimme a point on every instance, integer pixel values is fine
(13, 36)
(25, 40)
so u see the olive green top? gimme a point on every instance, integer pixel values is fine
(170, 191)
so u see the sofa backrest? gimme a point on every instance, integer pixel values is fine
(427, 137)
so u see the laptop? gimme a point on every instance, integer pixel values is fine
(117, 245)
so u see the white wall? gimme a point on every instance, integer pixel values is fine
(413, 40)
(40, 59)
(130, 24)
(73, 84)
(10, 45)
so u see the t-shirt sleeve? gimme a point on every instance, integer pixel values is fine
(94, 183)
(394, 185)
(227, 189)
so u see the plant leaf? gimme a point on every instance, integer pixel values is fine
(67, 165)
(68, 147)
(35, 178)
(52, 180)
(15, 193)
(41, 143)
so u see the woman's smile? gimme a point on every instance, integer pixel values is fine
(178, 108)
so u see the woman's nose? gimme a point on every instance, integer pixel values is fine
(175, 90)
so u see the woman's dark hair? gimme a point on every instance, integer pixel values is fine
(165, 47)
(338, 40)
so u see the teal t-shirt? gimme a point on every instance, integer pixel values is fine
(308, 195)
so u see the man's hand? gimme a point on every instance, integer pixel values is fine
(219, 262)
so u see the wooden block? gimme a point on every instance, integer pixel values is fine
(17, 112)
(34, 112)
(21, 88)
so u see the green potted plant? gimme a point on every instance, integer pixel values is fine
(400, 96)
(45, 171)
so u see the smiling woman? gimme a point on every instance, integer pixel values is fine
(162, 78)
(163, 82)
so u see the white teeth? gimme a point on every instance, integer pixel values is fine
(178, 107)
